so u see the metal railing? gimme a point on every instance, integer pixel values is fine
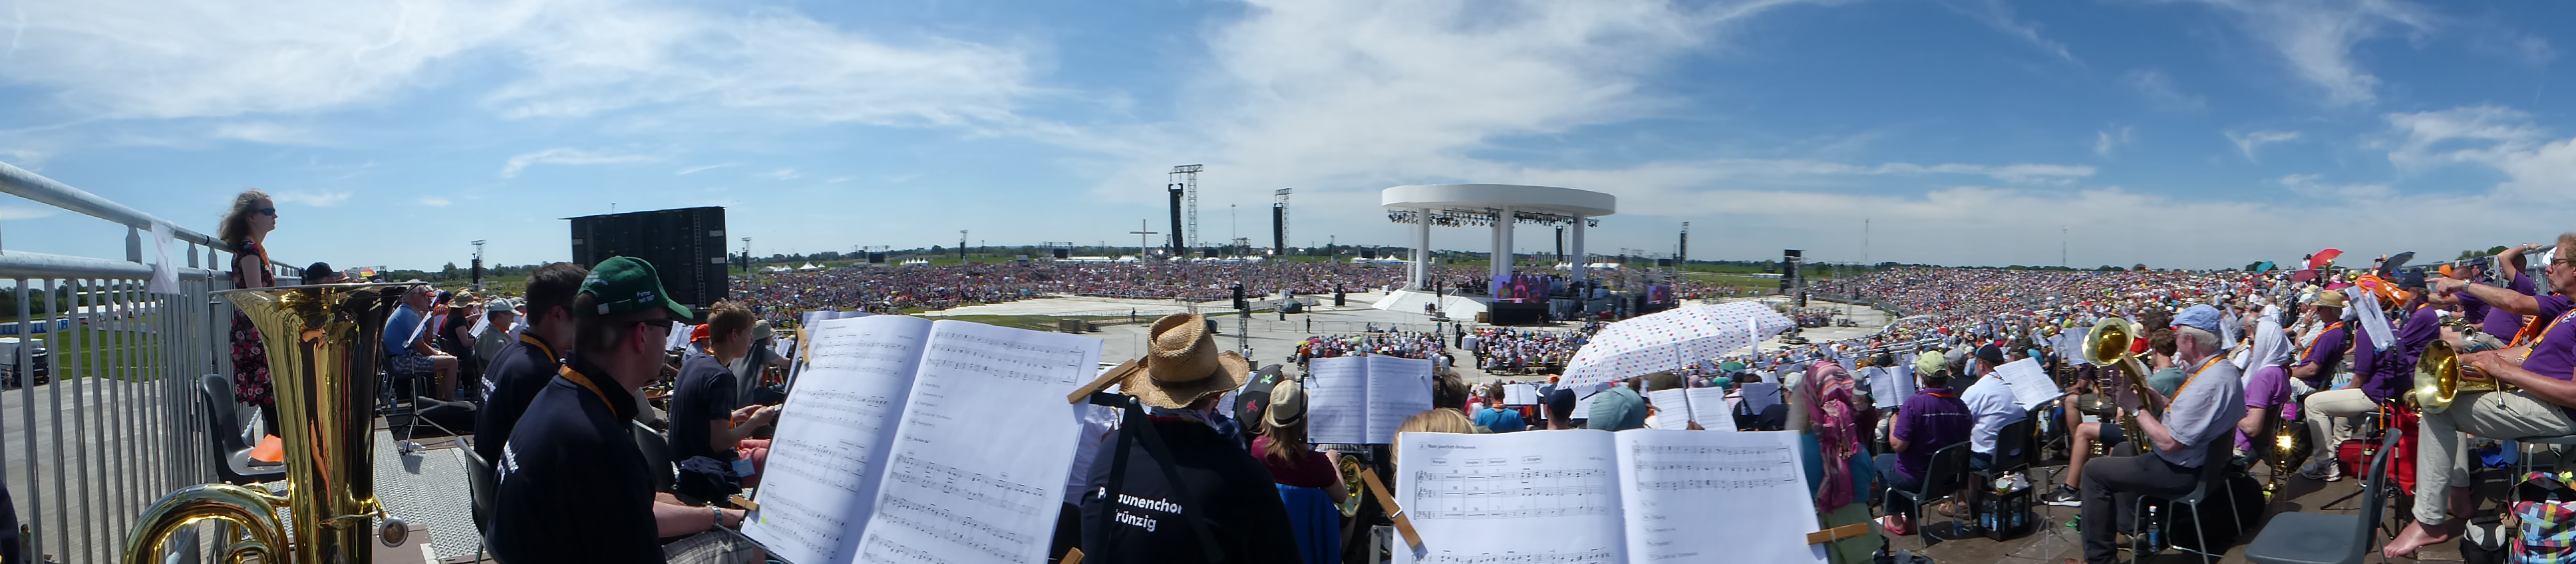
(118, 424)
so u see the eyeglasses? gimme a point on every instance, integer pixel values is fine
(271, 212)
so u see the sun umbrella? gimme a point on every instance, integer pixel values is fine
(2395, 261)
(2265, 266)
(2324, 257)
(2303, 275)
(1672, 339)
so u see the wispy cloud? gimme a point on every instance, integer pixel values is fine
(435, 202)
(2315, 38)
(2159, 89)
(2248, 142)
(1999, 15)
(566, 156)
(268, 132)
(315, 198)
(780, 174)
(2108, 140)
(14, 213)
(698, 169)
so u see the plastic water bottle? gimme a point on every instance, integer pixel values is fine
(2155, 533)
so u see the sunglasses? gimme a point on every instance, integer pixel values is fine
(271, 212)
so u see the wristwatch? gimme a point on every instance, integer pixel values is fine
(718, 513)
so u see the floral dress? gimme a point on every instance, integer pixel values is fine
(250, 358)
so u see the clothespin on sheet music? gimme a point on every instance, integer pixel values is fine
(744, 503)
(1071, 556)
(1854, 530)
(1386, 499)
(1083, 393)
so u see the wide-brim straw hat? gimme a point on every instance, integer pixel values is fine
(1182, 364)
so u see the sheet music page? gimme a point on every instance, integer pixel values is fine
(1672, 408)
(1715, 497)
(1533, 496)
(1711, 409)
(1398, 388)
(2030, 384)
(1337, 397)
(825, 460)
(977, 469)
(1520, 394)
(1888, 390)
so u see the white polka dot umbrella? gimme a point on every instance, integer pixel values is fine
(1672, 339)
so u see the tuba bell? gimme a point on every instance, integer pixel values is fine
(2108, 347)
(322, 356)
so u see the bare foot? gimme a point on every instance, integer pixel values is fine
(2415, 536)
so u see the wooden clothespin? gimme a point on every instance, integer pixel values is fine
(744, 503)
(1854, 530)
(1071, 556)
(1386, 498)
(1083, 393)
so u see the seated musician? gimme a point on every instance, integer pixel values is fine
(2540, 408)
(2315, 368)
(1929, 420)
(2160, 348)
(2198, 416)
(709, 418)
(573, 485)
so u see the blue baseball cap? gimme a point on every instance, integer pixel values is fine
(2202, 316)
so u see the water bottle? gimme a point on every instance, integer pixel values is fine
(2155, 532)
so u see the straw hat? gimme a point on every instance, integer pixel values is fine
(1287, 405)
(1181, 364)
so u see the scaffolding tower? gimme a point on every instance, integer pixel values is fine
(1186, 179)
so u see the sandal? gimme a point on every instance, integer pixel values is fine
(1889, 524)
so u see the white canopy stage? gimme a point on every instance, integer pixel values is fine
(1499, 206)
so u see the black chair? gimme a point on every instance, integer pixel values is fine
(2216, 463)
(2014, 448)
(224, 435)
(657, 458)
(2319, 538)
(1945, 476)
(481, 481)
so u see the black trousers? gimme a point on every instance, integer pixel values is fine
(2114, 482)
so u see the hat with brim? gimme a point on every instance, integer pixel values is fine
(1287, 405)
(1182, 364)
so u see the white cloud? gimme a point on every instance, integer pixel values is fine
(319, 198)
(14, 213)
(2248, 142)
(698, 169)
(2315, 38)
(2159, 89)
(2486, 134)
(1999, 15)
(435, 202)
(566, 155)
(780, 174)
(2105, 141)
(269, 133)
(2309, 186)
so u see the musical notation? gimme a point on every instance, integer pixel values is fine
(1593, 556)
(1509, 494)
(961, 484)
(878, 549)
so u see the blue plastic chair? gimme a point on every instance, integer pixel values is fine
(1317, 521)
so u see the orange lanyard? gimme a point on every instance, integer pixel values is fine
(2312, 345)
(2544, 331)
(540, 344)
(578, 378)
(2195, 375)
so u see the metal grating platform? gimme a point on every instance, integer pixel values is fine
(429, 489)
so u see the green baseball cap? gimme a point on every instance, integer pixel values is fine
(628, 285)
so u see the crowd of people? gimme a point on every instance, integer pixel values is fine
(1519, 350)
(1406, 344)
(898, 289)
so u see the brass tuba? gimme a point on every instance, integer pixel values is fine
(322, 362)
(2108, 347)
(1351, 482)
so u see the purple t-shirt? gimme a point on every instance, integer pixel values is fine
(2555, 355)
(2326, 352)
(2269, 387)
(2397, 364)
(2494, 321)
(1932, 419)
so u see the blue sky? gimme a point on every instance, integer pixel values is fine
(2202, 133)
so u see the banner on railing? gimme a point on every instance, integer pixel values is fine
(37, 328)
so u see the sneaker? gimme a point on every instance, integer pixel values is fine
(2326, 471)
(2062, 496)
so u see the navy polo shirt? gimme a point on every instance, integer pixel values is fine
(517, 372)
(704, 394)
(573, 485)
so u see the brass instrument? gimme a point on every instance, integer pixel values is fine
(322, 356)
(2289, 447)
(2108, 347)
(2440, 378)
(1352, 483)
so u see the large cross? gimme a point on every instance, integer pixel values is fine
(1143, 238)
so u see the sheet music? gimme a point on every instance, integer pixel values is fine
(1888, 389)
(976, 471)
(1711, 408)
(1672, 408)
(1537, 496)
(1714, 497)
(1337, 400)
(2030, 384)
(825, 459)
(1398, 388)
(1520, 394)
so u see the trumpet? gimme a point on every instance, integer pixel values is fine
(2108, 347)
